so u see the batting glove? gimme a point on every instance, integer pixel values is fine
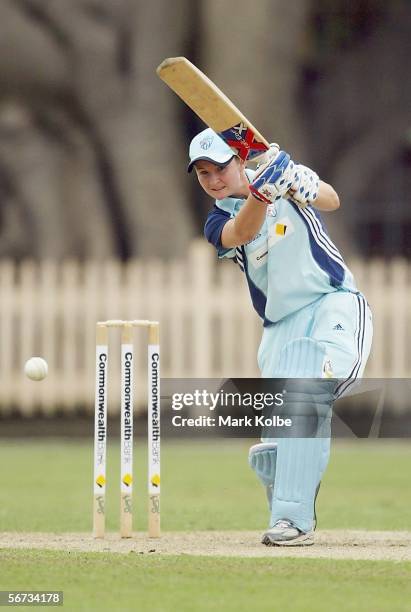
(304, 190)
(273, 179)
(267, 157)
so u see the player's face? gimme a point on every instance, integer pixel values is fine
(220, 182)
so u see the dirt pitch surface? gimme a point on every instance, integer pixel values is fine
(333, 544)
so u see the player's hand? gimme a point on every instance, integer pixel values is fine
(273, 179)
(267, 157)
(304, 190)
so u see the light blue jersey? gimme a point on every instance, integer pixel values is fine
(317, 325)
(289, 264)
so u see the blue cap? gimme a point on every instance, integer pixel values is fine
(208, 145)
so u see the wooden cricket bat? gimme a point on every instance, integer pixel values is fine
(212, 106)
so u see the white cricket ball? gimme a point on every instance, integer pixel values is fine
(36, 368)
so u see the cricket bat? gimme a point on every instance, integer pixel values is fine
(212, 106)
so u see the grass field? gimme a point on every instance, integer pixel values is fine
(46, 486)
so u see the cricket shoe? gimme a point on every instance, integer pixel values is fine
(285, 534)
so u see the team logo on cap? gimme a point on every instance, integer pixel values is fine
(206, 143)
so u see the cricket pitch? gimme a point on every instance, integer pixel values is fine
(329, 544)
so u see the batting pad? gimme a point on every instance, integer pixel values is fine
(301, 460)
(262, 459)
(303, 358)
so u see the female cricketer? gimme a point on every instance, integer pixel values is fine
(316, 324)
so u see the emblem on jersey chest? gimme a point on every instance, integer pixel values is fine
(280, 231)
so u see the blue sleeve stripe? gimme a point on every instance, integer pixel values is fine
(239, 257)
(321, 239)
(321, 233)
(327, 260)
(239, 254)
(317, 219)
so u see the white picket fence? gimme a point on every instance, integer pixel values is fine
(208, 329)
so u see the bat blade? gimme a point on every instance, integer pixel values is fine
(212, 106)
